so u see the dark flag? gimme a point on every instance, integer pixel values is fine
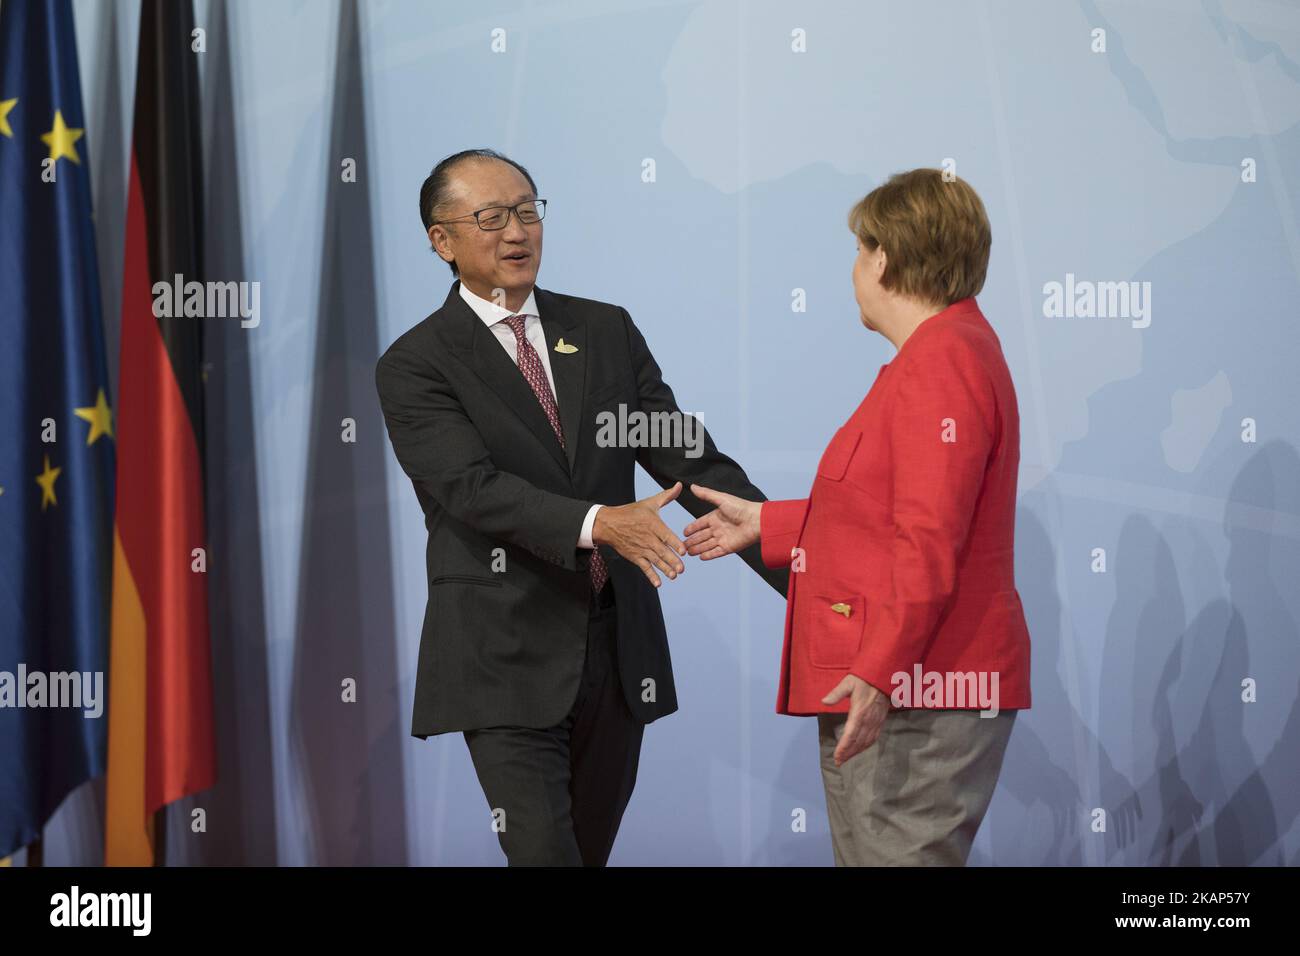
(56, 431)
(161, 745)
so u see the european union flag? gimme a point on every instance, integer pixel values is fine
(56, 431)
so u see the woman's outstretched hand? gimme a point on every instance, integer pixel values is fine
(732, 526)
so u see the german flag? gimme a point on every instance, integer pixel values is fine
(160, 726)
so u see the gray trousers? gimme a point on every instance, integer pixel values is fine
(917, 795)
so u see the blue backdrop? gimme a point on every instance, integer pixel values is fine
(1112, 142)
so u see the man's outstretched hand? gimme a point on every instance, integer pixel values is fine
(731, 527)
(638, 533)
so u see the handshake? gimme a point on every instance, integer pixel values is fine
(638, 533)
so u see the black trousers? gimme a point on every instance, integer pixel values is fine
(558, 794)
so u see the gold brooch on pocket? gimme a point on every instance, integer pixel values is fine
(842, 609)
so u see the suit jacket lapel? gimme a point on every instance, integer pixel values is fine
(480, 350)
(569, 369)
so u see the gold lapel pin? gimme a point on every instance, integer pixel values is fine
(564, 348)
(842, 609)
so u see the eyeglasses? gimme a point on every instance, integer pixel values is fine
(492, 218)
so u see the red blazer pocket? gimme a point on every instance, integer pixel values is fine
(833, 622)
(835, 460)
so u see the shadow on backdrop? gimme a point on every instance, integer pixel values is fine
(347, 755)
(241, 807)
(1249, 803)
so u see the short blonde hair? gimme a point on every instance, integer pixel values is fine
(935, 233)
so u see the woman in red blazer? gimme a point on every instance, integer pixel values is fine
(904, 632)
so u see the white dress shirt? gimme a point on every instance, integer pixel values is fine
(494, 317)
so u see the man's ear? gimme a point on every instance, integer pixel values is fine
(438, 239)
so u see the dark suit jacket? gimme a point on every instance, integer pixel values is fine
(506, 647)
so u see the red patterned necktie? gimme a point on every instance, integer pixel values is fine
(530, 365)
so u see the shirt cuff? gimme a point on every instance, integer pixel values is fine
(584, 536)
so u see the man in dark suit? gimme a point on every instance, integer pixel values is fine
(543, 638)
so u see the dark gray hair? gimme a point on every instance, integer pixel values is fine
(433, 194)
